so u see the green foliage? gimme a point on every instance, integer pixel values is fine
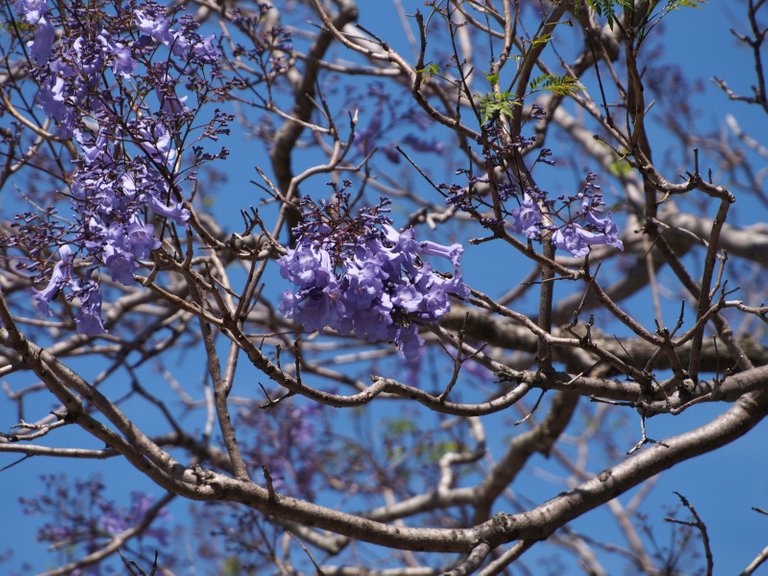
(620, 168)
(543, 39)
(493, 105)
(231, 567)
(677, 4)
(563, 85)
(430, 70)
(436, 451)
(400, 426)
(607, 8)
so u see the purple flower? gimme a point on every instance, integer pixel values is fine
(574, 239)
(31, 10)
(156, 141)
(94, 149)
(119, 246)
(410, 342)
(176, 212)
(183, 43)
(361, 276)
(582, 229)
(118, 260)
(206, 50)
(124, 64)
(577, 239)
(527, 219)
(307, 266)
(156, 27)
(310, 268)
(69, 81)
(125, 169)
(87, 56)
(43, 44)
(608, 228)
(314, 308)
(452, 252)
(141, 238)
(122, 60)
(60, 277)
(51, 99)
(408, 298)
(88, 320)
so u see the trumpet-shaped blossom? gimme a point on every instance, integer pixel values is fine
(35, 12)
(156, 142)
(184, 43)
(42, 45)
(32, 11)
(118, 54)
(88, 319)
(527, 219)
(156, 26)
(361, 276)
(60, 277)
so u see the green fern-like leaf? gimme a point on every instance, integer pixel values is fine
(536, 83)
(494, 105)
(493, 79)
(562, 85)
(677, 4)
(607, 8)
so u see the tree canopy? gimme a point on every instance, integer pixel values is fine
(403, 288)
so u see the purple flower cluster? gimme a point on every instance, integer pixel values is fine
(184, 43)
(35, 13)
(361, 276)
(88, 319)
(596, 231)
(589, 226)
(572, 230)
(70, 72)
(115, 519)
(524, 208)
(128, 156)
(284, 440)
(80, 519)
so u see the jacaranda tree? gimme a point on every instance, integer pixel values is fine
(347, 288)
